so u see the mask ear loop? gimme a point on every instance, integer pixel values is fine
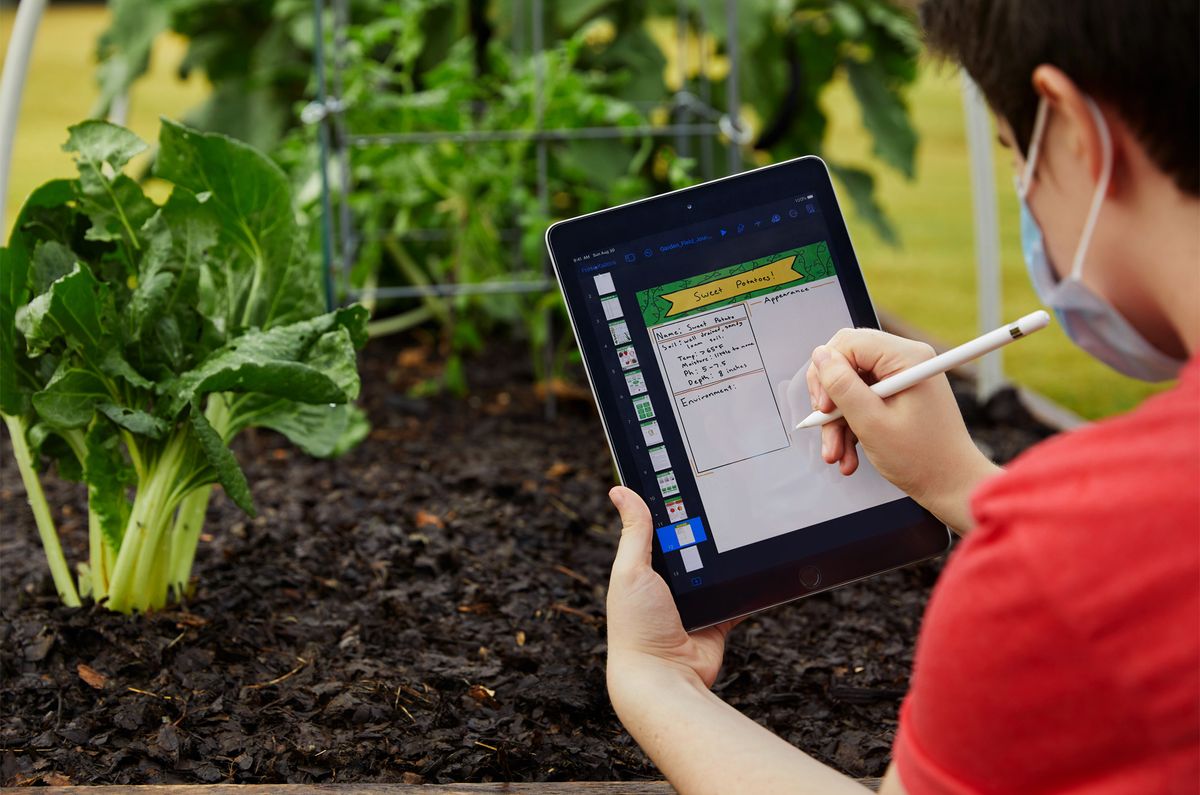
(1035, 145)
(1101, 189)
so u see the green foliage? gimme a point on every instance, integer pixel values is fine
(471, 212)
(144, 337)
(799, 47)
(256, 54)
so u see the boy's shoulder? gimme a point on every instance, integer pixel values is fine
(1104, 524)
(1139, 470)
(1054, 638)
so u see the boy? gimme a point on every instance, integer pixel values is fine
(1060, 652)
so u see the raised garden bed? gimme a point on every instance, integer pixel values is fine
(429, 608)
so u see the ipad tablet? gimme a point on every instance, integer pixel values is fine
(693, 310)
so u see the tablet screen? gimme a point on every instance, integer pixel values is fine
(698, 331)
(695, 312)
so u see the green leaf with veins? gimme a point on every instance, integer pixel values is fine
(48, 442)
(108, 477)
(101, 143)
(275, 362)
(166, 331)
(318, 429)
(76, 308)
(42, 213)
(334, 355)
(71, 398)
(46, 215)
(259, 277)
(228, 473)
(135, 420)
(116, 205)
(16, 371)
(51, 261)
(155, 281)
(114, 365)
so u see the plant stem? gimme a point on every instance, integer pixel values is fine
(149, 573)
(96, 545)
(154, 591)
(130, 581)
(97, 580)
(189, 520)
(398, 323)
(41, 513)
(368, 292)
(409, 266)
(185, 536)
(131, 544)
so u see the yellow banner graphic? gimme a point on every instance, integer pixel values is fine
(764, 277)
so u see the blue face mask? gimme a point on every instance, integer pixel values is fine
(1091, 322)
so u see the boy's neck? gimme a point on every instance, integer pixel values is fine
(1170, 247)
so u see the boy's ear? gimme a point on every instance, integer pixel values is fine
(1071, 117)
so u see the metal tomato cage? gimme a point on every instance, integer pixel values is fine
(695, 123)
(337, 141)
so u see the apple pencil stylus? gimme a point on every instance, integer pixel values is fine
(939, 364)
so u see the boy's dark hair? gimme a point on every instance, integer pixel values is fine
(1142, 57)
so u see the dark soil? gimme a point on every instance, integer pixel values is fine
(428, 608)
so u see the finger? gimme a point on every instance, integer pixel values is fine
(816, 393)
(725, 627)
(637, 530)
(849, 462)
(831, 441)
(845, 386)
(823, 401)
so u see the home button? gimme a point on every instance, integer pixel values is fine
(810, 576)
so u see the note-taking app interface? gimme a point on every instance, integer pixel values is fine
(701, 330)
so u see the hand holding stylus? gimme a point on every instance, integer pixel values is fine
(916, 438)
(955, 357)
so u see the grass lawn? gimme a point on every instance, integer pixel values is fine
(929, 281)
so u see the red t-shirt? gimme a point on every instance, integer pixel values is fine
(1060, 652)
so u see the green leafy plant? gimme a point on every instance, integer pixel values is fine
(471, 212)
(138, 339)
(256, 54)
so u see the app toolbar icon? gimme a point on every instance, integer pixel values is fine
(793, 213)
(630, 257)
(741, 228)
(775, 218)
(648, 253)
(723, 233)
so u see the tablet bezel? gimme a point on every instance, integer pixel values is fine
(910, 533)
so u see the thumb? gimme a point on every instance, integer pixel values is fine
(636, 530)
(844, 385)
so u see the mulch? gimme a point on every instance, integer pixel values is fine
(428, 608)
